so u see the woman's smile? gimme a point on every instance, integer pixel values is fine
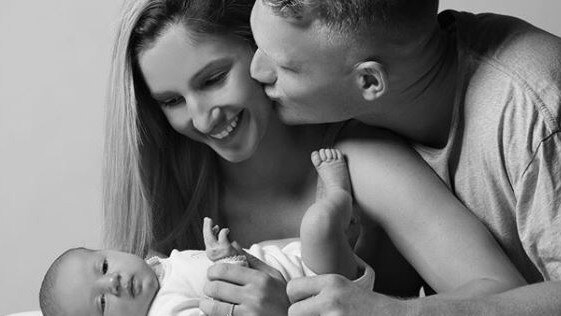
(227, 129)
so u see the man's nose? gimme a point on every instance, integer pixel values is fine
(111, 283)
(262, 69)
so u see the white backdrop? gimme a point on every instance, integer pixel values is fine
(54, 58)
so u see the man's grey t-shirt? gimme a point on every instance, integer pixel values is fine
(503, 156)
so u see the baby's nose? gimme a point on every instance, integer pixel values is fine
(112, 283)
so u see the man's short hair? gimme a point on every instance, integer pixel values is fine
(47, 298)
(358, 16)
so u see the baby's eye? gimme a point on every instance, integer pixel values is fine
(104, 266)
(102, 303)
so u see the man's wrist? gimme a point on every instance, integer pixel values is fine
(412, 307)
(394, 306)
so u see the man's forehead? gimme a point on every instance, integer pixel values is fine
(279, 38)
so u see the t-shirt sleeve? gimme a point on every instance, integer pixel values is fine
(538, 206)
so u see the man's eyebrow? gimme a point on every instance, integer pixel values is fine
(283, 62)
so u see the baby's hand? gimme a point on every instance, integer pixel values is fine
(216, 241)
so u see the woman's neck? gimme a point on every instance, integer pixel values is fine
(281, 162)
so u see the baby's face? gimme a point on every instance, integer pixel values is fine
(105, 283)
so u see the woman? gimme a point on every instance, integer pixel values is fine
(190, 134)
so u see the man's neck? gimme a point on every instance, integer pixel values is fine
(419, 105)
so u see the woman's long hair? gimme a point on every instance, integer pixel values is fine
(158, 184)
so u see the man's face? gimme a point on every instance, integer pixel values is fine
(310, 77)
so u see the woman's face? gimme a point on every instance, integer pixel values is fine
(205, 90)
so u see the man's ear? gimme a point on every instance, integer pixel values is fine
(371, 79)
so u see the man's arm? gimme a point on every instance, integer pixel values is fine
(433, 230)
(334, 295)
(536, 299)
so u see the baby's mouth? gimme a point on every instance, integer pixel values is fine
(131, 286)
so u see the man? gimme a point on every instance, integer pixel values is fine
(478, 96)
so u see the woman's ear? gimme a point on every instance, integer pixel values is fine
(371, 79)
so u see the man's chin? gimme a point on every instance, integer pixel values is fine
(286, 115)
(291, 118)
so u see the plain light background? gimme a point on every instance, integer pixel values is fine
(54, 60)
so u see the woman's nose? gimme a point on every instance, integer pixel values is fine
(205, 120)
(111, 283)
(261, 68)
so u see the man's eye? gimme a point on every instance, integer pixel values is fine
(215, 79)
(104, 266)
(171, 102)
(287, 69)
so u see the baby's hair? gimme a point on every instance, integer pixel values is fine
(47, 298)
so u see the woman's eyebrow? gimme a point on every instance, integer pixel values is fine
(160, 96)
(217, 63)
(214, 64)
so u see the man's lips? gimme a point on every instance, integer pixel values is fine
(271, 94)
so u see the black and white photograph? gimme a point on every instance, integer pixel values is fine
(280, 157)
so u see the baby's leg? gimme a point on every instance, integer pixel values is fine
(325, 247)
(217, 245)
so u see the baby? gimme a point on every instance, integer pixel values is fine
(104, 282)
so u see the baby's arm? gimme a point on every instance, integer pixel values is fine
(217, 245)
(323, 231)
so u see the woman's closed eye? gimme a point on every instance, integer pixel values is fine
(171, 101)
(214, 79)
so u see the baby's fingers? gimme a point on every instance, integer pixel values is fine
(209, 235)
(223, 237)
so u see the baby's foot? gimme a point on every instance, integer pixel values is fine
(333, 201)
(328, 220)
(332, 169)
(216, 241)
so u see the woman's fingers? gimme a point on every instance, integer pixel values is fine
(217, 308)
(233, 273)
(223, 291)
(253, 291)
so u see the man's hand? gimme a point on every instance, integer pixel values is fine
(260, 290)
(332, 294)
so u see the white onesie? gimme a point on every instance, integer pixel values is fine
(183, 275)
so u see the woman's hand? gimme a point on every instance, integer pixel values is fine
(259, 290)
